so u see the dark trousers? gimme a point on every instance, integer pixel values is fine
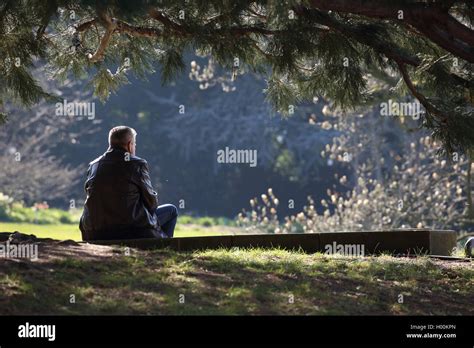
(167, 215)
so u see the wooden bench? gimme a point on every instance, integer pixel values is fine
(406, 241)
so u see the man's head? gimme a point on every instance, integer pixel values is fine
(123, 137)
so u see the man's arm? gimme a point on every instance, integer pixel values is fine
(87, 178)
(149, 196)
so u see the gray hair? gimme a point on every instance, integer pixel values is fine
(121, 136)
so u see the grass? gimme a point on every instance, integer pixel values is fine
(236, 281)
(105, 280)
(63, 224)
(71, 231)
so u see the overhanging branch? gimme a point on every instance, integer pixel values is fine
(110, 26)
(432, 19)
(418, 95)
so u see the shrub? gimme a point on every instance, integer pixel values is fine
(423, 191)
(16, 212)
(206, 221)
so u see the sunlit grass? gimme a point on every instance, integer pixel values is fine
(70, 231)
(237, 281)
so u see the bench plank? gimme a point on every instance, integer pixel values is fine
(406, 241)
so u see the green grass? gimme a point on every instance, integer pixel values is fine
(236, 281)
(62, 231)
(71, 231)
(49, 223)
(206, 221)
(104, 280)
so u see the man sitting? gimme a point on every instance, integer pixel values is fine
(121, 202)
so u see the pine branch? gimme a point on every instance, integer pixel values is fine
(110, 25)
(159, 16)
(86, 25)
(389, 49)
(422, 99)
(138, 31)
(430, 19)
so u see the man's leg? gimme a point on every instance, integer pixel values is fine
(167, 215)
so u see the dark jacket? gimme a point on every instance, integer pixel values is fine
(120, 201)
